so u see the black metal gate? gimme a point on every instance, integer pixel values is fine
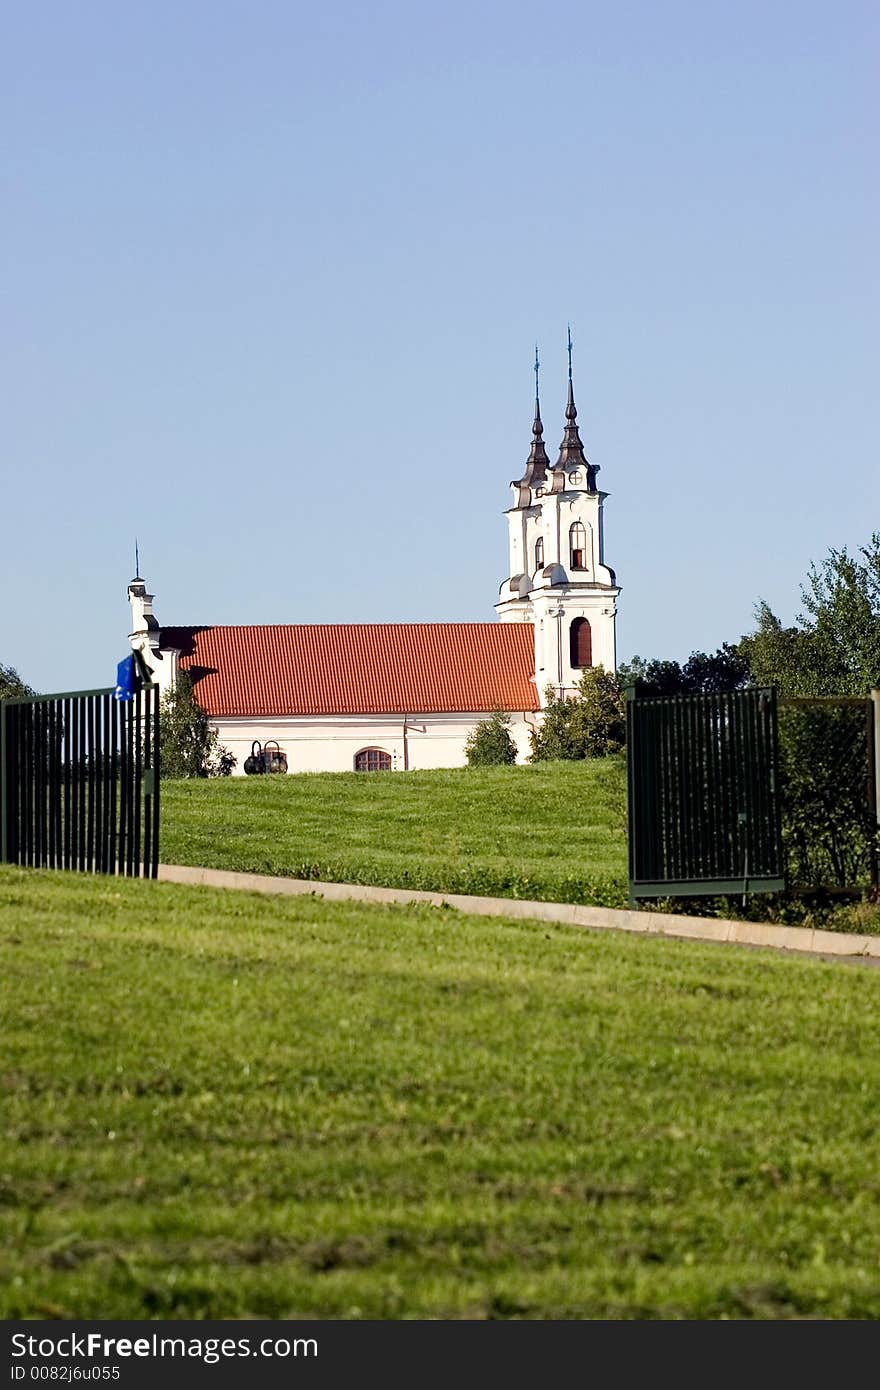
(704, 797)
(79, 782)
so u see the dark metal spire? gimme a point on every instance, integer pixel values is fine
(137, 563)
(537, 462)
(571, 450)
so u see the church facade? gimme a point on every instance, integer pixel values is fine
(400, 696)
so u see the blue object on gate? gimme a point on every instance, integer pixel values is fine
(126, 679)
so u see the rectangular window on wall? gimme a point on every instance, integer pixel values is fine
(581, 640)
(577, 541)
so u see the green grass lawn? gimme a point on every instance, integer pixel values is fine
(228, 1105)
(549, 831)
(554, 831)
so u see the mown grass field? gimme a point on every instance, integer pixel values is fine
(225, 1105)
(549, 831)
(554, 831)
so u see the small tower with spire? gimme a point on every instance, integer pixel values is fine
(145, 632)
(558, 577)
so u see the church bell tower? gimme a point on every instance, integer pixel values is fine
(558, 577)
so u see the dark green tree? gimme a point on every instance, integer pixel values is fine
(702, 673)
(490, 742)
(590, 724)
(188, 746)
(11, 683)
(716, 674)
(833, 647)
(655, 677)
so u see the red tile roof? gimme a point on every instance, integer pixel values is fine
(358, 668)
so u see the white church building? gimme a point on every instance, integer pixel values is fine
(397, 696)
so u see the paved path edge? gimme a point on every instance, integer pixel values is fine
(808, 939)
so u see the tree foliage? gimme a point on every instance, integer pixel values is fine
(702, 673)
(589, 724)
(11, 683)
(490, 742)
(188, 746)
(833, 648)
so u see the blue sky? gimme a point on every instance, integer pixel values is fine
(272, 277)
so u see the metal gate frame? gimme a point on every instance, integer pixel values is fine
(703, 793)
(79, 781)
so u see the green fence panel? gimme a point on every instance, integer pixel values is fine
(79, 782)
(703, 791)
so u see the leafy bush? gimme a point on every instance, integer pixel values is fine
(590, 724)
(828, 825)
(490, 744)
(188, 746)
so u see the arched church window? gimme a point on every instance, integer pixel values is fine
(577, 541)
(581, 639)
(539, 553)
(372, 760)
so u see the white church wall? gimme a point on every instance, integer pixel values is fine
(330, 743)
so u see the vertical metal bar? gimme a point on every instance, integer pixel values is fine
(713, 786)
(157, 772)
(148, 782)
(97, 784)
(49, 737)
(647, 791)
(35, 785)
(654, 821)
(106, 773)
(694, 786)
(13, 762)
(73, 760)
(137, 764)
(114, 841)
(130, 847)
(632, 811)
(872, 714)
(12, 746)
(39, 787)
(28, 787)
(81, 785)
(4, 787)
(719, 823)
(122, 785)
(89, 703)
(679, 750)
(779, 853)
(67, 705)
(676, 748)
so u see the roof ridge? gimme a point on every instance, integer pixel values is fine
(436, 622)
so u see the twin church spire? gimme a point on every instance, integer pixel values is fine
(571, 450)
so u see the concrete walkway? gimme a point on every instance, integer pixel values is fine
(827, 944)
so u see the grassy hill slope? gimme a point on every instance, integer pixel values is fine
(221, 1105)
(555, 831)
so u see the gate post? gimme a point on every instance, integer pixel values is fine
(630, 693)
(4, 785)
(874, 756)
